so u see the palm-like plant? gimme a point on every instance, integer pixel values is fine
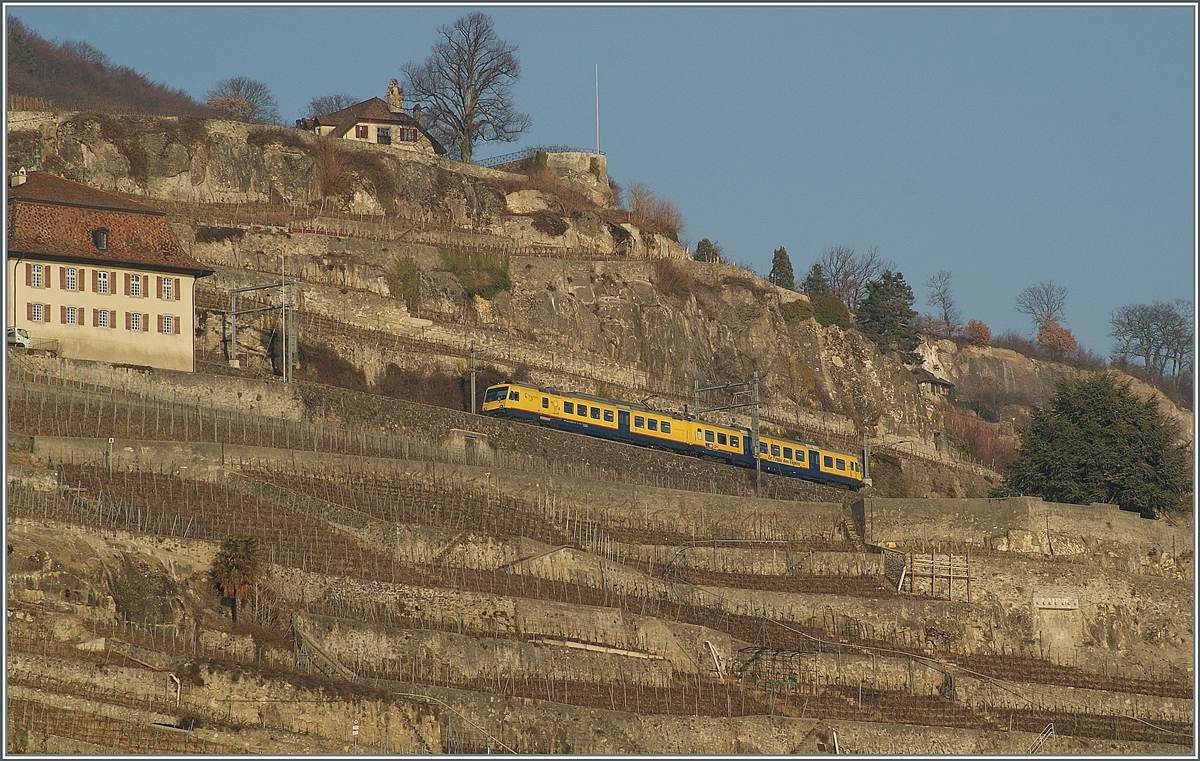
(237, 567)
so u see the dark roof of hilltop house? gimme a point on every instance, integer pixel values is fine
(53, 218)
(375, 110)
(924, 376)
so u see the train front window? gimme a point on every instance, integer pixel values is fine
(495, 394)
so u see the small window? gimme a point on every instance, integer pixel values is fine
(71, 279)
(545, 402)
(569, 408)
(168, 289)
(103, 320)
(596, 413)
(360, 131)
(774, 450)
(733, 442)
(514, 396)
(383, 135)
(101, 281)
(787, 453)
(828, 461)
(762, 448)
(135, 285)
(608, 416)
(841, 464)
(100, 239)
(37, 275)
(722, 440)
(168, 323)
(582, 410)
(666, 426)
(71, 315)
(37, 312)
(408, 134)
(799, 455)
(135, 321)
(652, 424)
(639, 421)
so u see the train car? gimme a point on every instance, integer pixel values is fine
(640, 425)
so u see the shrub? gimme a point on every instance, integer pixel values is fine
(404, 281)
(795, 312)
(481, 274)
(284, 136)
(651, 213)
(324, 365)
(672, 279)
(978, 333)
(208, 234)
(550, 224)
(829, 310)
(433, 387)
(333, 175)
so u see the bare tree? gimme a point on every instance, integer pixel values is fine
(650, 212)
(946, 315)
(848, 273)
(244, 100)
(328, 104)
(464, 87)
(1159, 334)
(1043, 302)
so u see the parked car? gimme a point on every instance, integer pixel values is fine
(18, 337)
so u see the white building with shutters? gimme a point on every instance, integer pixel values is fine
(93, 275)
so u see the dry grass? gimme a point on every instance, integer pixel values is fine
(672, 279)
(652, 213)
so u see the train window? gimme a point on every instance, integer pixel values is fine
(608, 416)
(639, 421)
(495, 394)
(596, 412)
(545, 402)
(581, 410)
(652, 424)
(799, 455)
(787, 453)
(569, 408)
(708, 436)
(774, 450)
(762, 447)
(514, 395)
(666, 426)
(722, 440)
(828, 461)
(841, 464)
(733, 442)
(853, 466)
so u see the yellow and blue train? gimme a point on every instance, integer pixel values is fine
(637, 424)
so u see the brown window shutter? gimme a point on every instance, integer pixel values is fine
(159, 285)
(95, 318)
(28, 273)
(128, 320)
(160, 316)
(95, 281)
(62, 315)
(127, 287)
(112, 283)
(80, 279)
(29, 311)
(62, 278)
(177, 290)
(177, 325)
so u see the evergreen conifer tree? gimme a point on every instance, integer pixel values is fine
(816, 283)
(887, 318)
(781, 270)
(707, 251)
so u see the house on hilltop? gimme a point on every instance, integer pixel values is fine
(377, 121)
(98, 276)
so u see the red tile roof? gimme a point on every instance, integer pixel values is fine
(53, 218)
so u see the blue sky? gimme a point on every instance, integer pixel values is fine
(1008, 145)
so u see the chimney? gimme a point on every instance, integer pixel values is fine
(17, 178)
(417, 113)
(395, 98)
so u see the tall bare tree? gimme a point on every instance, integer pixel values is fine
(946, 315)
(1159, 334)
(464, 87)
(328, 104)
(244, 100)
(848, 273)
(1043, 302)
